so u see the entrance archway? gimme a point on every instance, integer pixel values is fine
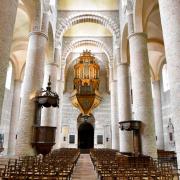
(85, 136)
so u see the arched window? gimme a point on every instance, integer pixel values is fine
(165, 78)
(9, 76)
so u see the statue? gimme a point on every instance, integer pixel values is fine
(171, 133)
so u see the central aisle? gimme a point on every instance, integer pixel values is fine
(84, 169)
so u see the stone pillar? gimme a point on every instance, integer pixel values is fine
(48, 114)
(142, 96)
(158, 115)
(58, 115)
(33, 80)
(60, 89)
(7, 20)
(126, 143)
(49, 117)
(170, 19)
(114, 115)
(14, 117)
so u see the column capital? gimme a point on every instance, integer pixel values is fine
(38, 33)
(143, 34)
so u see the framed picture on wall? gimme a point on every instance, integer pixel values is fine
(99, 139)
(71, 139)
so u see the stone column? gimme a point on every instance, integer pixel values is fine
(170, 19)
(126, 143)
(114, 115)
(142, 96)
(58, 115)
(33, 79)
(14, 117)
(49, 117)
(60, 89)
(7, 20)
(48, 114)
(158, 115)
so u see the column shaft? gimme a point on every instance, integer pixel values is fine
(114, 115)
(7, 20)
(48, 114)
(170, 19)
(158, 115)
(142, 96)
(58, 115)
(14, 117)
(124, 106)
(32, 83)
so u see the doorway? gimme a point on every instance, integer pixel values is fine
(85, 136)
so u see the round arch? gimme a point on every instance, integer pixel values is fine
(65, 24)
(85, 127)
(76, 44)
(89, 119)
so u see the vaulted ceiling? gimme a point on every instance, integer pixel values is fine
(150, 23)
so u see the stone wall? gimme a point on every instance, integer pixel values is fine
(102, 113)
(69, 121)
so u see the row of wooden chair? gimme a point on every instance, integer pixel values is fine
(167, 156)
(115, 166)
(57, 165)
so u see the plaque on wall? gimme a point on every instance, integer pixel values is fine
(99, 139)
(71, 139)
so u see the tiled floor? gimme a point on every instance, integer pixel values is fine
(84, 169)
